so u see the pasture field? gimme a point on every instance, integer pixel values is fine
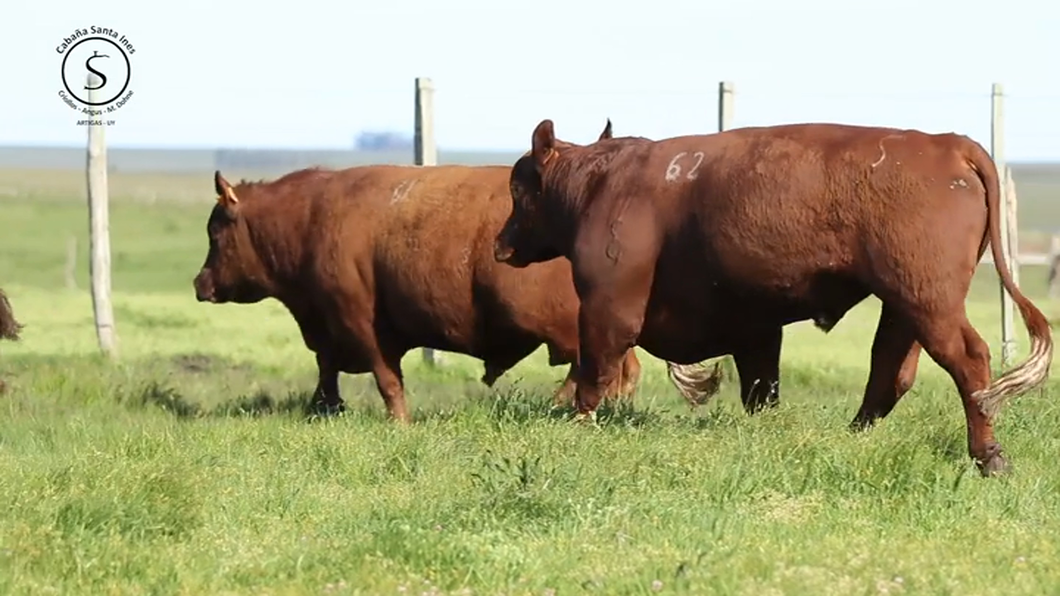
(187, 466)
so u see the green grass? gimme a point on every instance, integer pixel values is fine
(187, 467)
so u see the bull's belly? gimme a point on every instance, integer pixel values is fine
(457, 327)
(682, 329)
(686, 336)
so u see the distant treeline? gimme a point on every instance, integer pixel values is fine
(383, 141)
(122, 159)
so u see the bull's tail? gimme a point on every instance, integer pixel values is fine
(9, 327)
(1035, 369)
(696, 382)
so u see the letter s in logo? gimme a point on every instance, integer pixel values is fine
(88, 65)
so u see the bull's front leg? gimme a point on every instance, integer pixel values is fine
(623, 388)
(613, 263)
(608, 327)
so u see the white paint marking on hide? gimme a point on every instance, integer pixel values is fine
(401, 191)
(883, 151)
(673, 170)
(958, 182)
(883, 155)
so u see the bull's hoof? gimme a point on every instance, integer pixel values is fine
(758, 407)
(994, 464)
(324, 410)
(861, 423)
(587, 418)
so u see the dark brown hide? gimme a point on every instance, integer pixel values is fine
(375, 261)
(9, 327)
(698, 246)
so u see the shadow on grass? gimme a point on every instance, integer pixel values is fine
(256, 404)
(514, 406)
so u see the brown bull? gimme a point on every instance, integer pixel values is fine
(699, 246)
(9, 326)
(375, 261)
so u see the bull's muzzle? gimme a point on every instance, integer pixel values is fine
(204, 290)
(502, 251)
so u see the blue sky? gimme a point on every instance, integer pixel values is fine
(311, 74)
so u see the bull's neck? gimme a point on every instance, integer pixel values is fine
(565, 205)
(278, 229)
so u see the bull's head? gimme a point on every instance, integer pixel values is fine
(527, 236)
(233, 271)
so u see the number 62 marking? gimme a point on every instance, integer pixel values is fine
(673, 171)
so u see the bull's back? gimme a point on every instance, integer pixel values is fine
(799, 194)
(429, 224)
(431, 253)
(790, 216)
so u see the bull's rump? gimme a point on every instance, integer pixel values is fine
(426, 234)
(802, 221)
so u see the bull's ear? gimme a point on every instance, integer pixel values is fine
(226, 196)
(544, 143)
(607, 131)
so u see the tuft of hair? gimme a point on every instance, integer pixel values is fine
(1031, 374)
(9, 327)
(696, 382)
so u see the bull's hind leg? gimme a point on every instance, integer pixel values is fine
(895, 355)
(564, 395)
(391, 384)
(758, 365)
(630, 376)
(952, 342)
(326, 399)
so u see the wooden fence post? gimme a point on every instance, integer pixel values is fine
(426, 154)
(99, 233)
(71, 263)
(997, 152)
(726, 108)
(1054, 266)
(726, 104)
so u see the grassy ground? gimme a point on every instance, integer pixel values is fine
(186, 468)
